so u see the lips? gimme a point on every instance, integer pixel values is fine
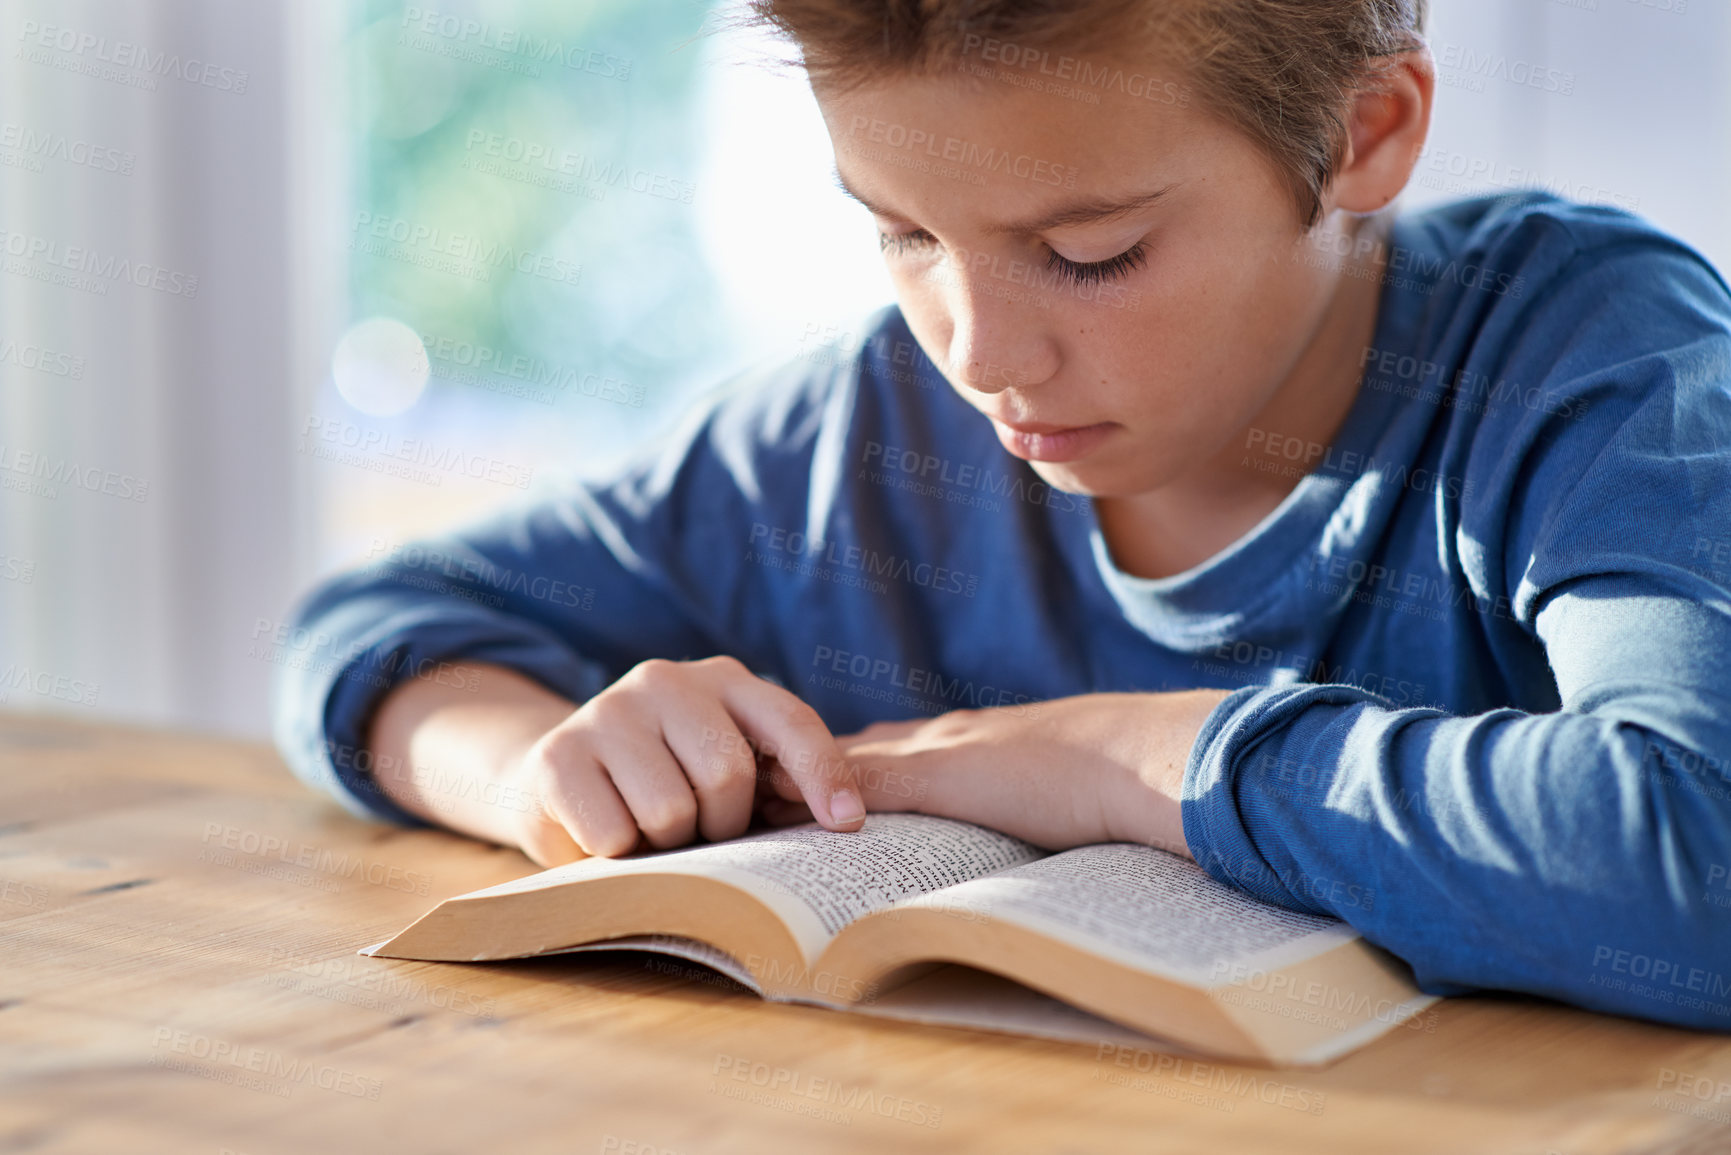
(1035, 426)
(1043, 441)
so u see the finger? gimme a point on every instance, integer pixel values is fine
(545, 840)
(719, 764)
(653, 784)
(882, 786)
(801, 744)
(577, 794)
(780, 783)
(891, 774)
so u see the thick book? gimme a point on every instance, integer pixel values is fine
(939, 921)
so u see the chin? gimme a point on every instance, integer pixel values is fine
(1092, 479)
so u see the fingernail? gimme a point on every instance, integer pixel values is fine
(845, 807)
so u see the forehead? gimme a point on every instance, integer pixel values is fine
(1009, 148)
(1125, 95)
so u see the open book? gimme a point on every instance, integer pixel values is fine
(1095, 940)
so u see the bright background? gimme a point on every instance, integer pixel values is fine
(160, 608)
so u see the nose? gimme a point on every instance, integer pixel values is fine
(998, 340)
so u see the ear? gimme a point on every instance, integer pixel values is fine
(1386, 128)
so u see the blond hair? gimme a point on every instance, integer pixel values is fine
(1280, 71)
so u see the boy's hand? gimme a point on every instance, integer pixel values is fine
(1062, 773)
(671, 750)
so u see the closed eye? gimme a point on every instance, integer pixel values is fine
(899, 243)
(1093, 272)
(1076, 272)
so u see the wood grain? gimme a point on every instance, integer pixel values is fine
(178, 922)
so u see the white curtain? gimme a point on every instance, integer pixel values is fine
(154, 509)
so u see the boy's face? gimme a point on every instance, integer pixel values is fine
(1162, 358)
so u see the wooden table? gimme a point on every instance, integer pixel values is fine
(178, 922)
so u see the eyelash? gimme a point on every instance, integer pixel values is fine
(1076, 272)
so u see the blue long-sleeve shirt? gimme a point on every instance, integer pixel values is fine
(1481, 654)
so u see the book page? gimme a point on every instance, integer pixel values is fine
(816, 880)
(1143, 907)
(705, 954)
(950, 996)
(957, 996)
(820, 880)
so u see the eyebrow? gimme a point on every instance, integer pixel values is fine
(1090, 210)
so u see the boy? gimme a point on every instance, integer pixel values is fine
(1370, 561)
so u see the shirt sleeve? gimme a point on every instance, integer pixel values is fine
(571, 589)
(1579, 853)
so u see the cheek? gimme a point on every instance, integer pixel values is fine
(1183, 369)
(1228, 311)
(1171, 338)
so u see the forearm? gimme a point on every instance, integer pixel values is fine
(1511, 850)
(451, 753)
